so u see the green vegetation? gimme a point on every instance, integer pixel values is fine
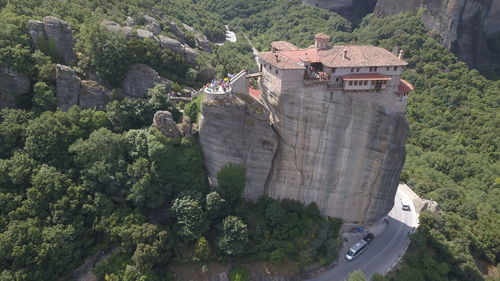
(239, 273)
(74, 183)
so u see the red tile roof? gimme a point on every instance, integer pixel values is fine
(335, 56)
(284, 46)
(322, 36)
(366, 76)
(404, 87)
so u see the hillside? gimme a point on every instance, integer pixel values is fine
(75, 183)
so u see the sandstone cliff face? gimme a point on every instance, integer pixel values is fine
(237, 131)
(341, 151)
(53, 35)
(71, 90)
(139, 79)
(464, 25)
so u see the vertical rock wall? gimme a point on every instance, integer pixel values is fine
(237, 131)
(341, 151)
(464, 25)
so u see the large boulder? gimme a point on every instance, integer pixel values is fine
(144, 34)
(93, 95)
(186, 127)
(130, 22)
(155, 28)
(174, 29)
(53, 35)
(172, 44)
(67, 87)
(164, 122)
(36, 29)
(12, 84)
(139, 79)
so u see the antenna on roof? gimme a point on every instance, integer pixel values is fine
(345, 55)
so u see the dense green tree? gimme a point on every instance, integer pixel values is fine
(191, 217)
(231, 180)
(234, 236)
(12, 130)
(44, 97)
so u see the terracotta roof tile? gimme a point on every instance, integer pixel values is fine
(284, 46)
(404, 87)
(336, 56)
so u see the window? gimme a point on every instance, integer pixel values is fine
(270, 67)
(333, 70)
(365, 82)
(395, 68)
(337, 79)
(350, 83)
(352, 69)
(371, 69)
(384, 82)
(265, 65)
(374, 68)
(387, 68)
(357, 69)
(276, 72)
(355, 83)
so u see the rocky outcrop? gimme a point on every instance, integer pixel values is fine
(130, 22)
(93, 95)
(153, 32)
(464, 25)
(238, 131)
(139, 79)
(342, 151)
(186, 127)
(177, 32)
(164, 122)
(70, 90)
(67, 87)
(201, 40)
(12, 85)
(337, 150)
(53, 35)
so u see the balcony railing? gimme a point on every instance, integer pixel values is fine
(316, 76)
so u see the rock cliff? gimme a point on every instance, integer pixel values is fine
(71, 90)
(53, 36)
(139, 79)
(238, 131)
(342, 151)
(12, 85)
(464, 25)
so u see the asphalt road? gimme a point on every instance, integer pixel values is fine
(385, 250)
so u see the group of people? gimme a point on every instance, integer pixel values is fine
(219, 85)
(313, 73)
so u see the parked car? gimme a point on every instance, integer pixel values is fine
(369, 237)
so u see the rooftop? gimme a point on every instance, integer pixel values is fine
(288, 56)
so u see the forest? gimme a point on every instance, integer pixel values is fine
(78, 182)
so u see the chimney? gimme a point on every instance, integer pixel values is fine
(345, 54)
(395, 50)
(322, 41)
(276, 56)
(401, 53)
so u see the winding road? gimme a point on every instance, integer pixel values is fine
(385, 251)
